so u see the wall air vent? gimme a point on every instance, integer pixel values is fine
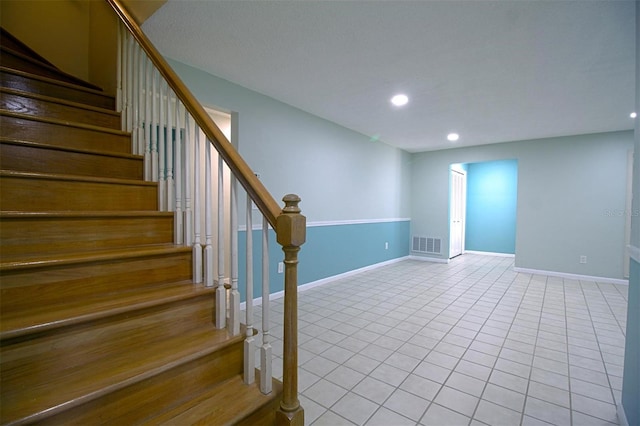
(426, 245)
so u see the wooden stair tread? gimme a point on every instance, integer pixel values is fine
(14, 141)
(68, 214)
(18, 115)
(40, 319)
(36, 261)
(227, 403)
(45, 68)
(34, 400)
(100, 320)
(54, 176)
(55, 100)
(54, 81)
(21, 101)
(9, 40)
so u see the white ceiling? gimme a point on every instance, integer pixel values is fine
(493, 71)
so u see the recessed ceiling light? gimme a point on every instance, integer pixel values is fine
(633, 115)
(399, 100)
(453, 137)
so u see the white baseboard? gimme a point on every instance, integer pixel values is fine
(489, 253)
(312, 284)
(634, 252)
(572, 276)
(429, 259)
(622, 416)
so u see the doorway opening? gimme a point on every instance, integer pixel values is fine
(457, 209)
(487, 223)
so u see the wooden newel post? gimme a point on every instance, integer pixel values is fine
(291, 230)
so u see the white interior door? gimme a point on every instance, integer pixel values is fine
(457, 213)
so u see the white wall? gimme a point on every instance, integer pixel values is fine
(339, 174)
(571, 199)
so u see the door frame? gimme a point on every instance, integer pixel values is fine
(628, 214)
(456, 168)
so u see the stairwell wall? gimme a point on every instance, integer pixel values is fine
(85, 28)
(354, 190)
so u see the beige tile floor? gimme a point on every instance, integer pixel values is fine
(466, 343)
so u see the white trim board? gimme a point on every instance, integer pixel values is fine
(572, 276)
(258, 226)
(489, 253)
(634, 252)
(622, 416)
(312, 284)
(356, 221)
(428, 259)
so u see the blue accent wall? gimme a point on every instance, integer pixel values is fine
(328, 251)
(492, 195)
(631, 380)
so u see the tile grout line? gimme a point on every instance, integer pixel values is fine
(564, 293)
(480, 306)
(535, 347)
(484, 322)
(599, 348)
(501, 348)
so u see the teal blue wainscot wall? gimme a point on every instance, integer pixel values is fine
(631, 380)
(492, 197)
(328, 251)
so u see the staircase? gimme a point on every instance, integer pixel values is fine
(100, 320)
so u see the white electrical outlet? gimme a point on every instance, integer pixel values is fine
(386, 246)
(583, 259)
(280, 267)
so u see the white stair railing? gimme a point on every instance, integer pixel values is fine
(265, 349)
(234, 294)
(221, 292)
(197, 209)
(181, 159)
(249, 344)
(176, 137)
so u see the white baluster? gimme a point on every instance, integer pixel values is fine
(221, 299)
(234, 295)
(249, 343)
(154, 125)
(265, 350)
(119, 70)
(197, 248)
(188, 182)
(178, 221)
(148, 172)
(162, 149)
(129, 81)
(209, 273)
(124, 82)
(170, 149)
(140, 94)
(135, 108)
